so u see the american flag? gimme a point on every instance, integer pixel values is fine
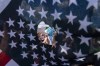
(76, 22)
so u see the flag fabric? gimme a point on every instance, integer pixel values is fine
(11, 63)
(75, 21)
(5, 60)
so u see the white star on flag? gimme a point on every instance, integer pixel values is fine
(21, 24)
(98, 55)
(93, 3)
(24, 55)
(2, 33)
(21, 35)
(12, 44)
(31, 37)
(20, 11)
(31, 12)
(84, 24)
(35, 64)
(44, 58)
(79, 54)
(56, 1)
(23, 45)
(52, 54)
(64, 48)
(53, 63)
(34, 55)
(10, 22)
(56, 15)
(43, 1)
(72, 2)
(70, 17)
(33, 46)
(30, 1)
(63, 59)
(11, 33)
(80, 59)
(84, 40)
(31, 25)
(98, 29)
(43, 13)
(57, 29)
(65, 64)
(68, 34)
(43, 48)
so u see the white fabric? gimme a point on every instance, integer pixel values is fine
(3, 4)
(42, 24)
(11, 63)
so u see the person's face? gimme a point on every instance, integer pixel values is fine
(41, 36)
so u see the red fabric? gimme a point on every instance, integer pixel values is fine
(4, 59)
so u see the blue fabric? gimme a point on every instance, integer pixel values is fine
(50, 31)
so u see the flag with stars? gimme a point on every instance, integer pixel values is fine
(75, 22)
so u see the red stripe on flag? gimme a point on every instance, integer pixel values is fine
(4, 59)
